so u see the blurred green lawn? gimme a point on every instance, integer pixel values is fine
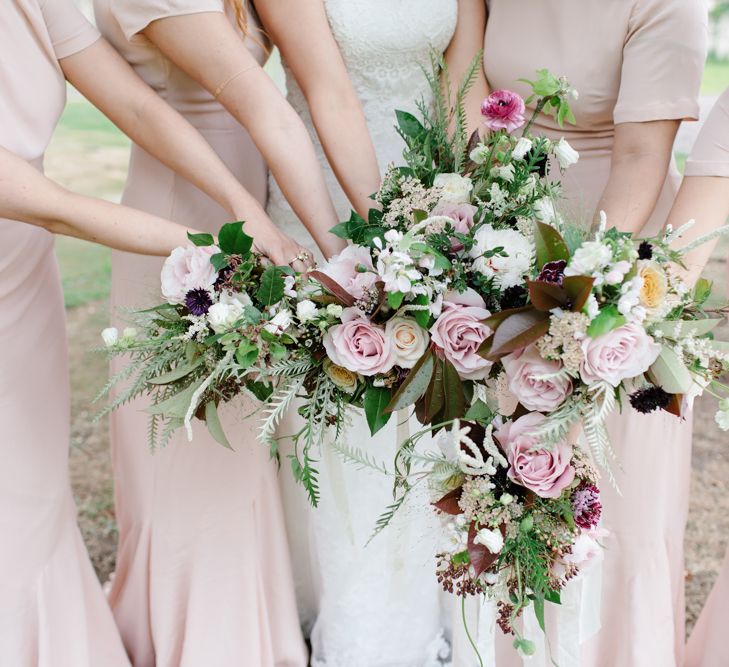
(716, 77)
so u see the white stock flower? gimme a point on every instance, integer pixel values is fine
(110, 336)
(493, 540)
(617, 272)
(306, 310)
(523, 146)
(566, 155)
(506, 271)
(281, 321)
(456, 189)
(409, 340)
(480, 154)
(592, 307)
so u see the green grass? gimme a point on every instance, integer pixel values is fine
(85, 122)
(716, 77)
(85, 271)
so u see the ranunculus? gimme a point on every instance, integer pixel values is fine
(345, 380)
(526, 373)
(507, 271)
(358, 345)
(547, 472)
(620, 354)
(306, 310)
(110, 336)
(503, 110)
(408, 339)
(655, 286)
(460, 214)
(566, 155)
(346, 270)
(456, 189)
(460, 331)
(188, 268)
(493, 540)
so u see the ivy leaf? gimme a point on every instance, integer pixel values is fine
(607, 319)
(233, 240)
(260, 390)
(550, 245)
(201, 239)
(212, 420)
(341, 230)
(271, 289)
(219, 261)
(376, 400)
(479, 412)
(246, 354)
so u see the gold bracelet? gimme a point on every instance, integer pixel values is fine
(222, 86)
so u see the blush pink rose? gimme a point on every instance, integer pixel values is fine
(503, 110)
(459, 332)
(187, 268)
(343, 269)
(547, 472)
(620, 354)
(525, 373)
(461, 214)
(358, 345)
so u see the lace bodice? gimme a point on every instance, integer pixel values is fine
(385, 45)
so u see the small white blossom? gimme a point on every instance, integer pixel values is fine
(592, 307)
(523, 146)
(544, 210)
(306, 310)
(129, 334)
(110, 336)
(334, 310)
(280, 322)
(617, 272)
(590, 259)
(722, 416)
(480, 154)
(566, 155)
(493, 540)
(504, 172)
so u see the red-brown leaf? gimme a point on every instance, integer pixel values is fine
(449, 502)
(518, 331)
(481, 558)
(334, 288)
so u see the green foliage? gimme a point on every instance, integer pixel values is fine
(233, 240)
(376, 400)
(272, 286)
(607, 319)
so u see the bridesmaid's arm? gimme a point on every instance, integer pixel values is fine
(28, 196)
(101, 75)
(466, 43)
(640, 160)
(302, 33)
(706, 200)
(207, 48)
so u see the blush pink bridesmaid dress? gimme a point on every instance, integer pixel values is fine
(52, 610)
(631, 61)
(203, 575)
(707, 644)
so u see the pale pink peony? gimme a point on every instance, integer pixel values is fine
(503, 110)
(342, 269)
(620, 354)
(461, 214)
(188, 268)
(358, 345)
(459, 332)
(547, 472)
(525, 373)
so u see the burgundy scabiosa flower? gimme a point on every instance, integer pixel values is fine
(503, 110)
(586, 506)
(198, 301)
(648, 399)
(513, 297)
(553, 272)
(645, 250)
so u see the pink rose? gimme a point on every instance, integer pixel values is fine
(620, 354)
(343, 269)
(459, 332)
(547, 472)
(525, 373)
(188, 268)
(358, 345)
(461, 214)
(503, 110)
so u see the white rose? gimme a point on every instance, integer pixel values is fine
(110, 336)
(306, 310)
(456, 188)
(506, 271)
(480, 154)
(281, 321)
(544, 210)
(523, 146)
(493, 540)
(566, 155)
(222, 316)
(409, 340)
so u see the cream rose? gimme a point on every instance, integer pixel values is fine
(456, 188)
(655, 286)
(408, 339)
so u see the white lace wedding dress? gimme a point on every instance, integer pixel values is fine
(376, 605)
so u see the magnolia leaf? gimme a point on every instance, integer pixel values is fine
(546, 296)
(497, 318)
(449, 502)
(201, 239)
(271, 289)
(454, 405)
(432, 402)
(212, 421)
(177, 373)
(675, 405)
(415, 384)
(176, 405)
(376, 400)
(670, 373)
(550, 245)
(333, 287)
(578, 289)
(518, 331)
(682, 328)
(233, 240)
(702, 290)
(606, 320)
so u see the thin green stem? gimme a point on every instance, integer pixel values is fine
(537, 110)
(468, 634)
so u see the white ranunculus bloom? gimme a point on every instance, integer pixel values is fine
(523, 146)
(281, 321)
(493, 540)
(456, 188)
(506, 271)
(566, 155)
(480, 154)
(306, 310)
(110, 336)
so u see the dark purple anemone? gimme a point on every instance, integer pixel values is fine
(198, 301)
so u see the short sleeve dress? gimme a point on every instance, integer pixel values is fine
(203, 573)
(52, 610)
(707, 644)
(632, 61)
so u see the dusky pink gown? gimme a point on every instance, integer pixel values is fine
(707, 644)
(203, 575)
(631, 61)
(52, 610)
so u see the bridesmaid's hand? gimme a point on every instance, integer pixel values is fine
(282, 250)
